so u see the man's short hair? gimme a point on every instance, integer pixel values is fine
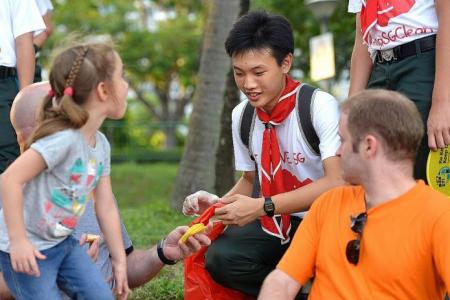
(259, 30)
(390, 116)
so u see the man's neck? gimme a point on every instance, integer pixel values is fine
(387, 183)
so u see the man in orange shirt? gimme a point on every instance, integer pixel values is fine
(385, 237)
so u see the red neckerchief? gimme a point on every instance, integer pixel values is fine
(271, 174)
(368, 17)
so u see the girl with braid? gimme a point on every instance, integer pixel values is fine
(46, 189)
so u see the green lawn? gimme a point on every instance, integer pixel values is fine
(143, 192)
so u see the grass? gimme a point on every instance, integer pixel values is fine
(143, 192)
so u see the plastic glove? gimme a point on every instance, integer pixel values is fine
(198, 202)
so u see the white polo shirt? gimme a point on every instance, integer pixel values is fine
(17, 17)
(44, 7)
(399, 22)
(298, 163)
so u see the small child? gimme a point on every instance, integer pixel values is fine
(45, 190)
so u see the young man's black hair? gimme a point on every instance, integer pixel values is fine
(258, 30)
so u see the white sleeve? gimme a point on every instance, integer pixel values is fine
(242, 160)
(26, 17)
(44, 6)
(354, 6)
(325, 119)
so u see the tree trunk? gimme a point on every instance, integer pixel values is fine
(197, 165)
(224, 179)
(170, 130)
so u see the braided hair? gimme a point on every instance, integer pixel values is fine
(75, 73)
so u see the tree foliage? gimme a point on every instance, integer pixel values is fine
(159, 42)
(305, 26)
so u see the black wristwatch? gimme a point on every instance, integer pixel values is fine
(269, 207)
(162, 257)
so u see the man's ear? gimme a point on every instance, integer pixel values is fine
(102, 91)
(286, 64)
(370, 146)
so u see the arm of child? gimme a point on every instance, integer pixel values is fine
(109, 221)
(23, 253)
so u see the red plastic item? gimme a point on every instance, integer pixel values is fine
(198, 284)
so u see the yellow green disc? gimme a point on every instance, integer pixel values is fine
(438, 170)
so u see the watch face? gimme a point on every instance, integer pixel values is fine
(269, 206)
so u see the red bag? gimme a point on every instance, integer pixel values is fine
(198, 284)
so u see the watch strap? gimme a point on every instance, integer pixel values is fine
(269, 203)
(162, 257)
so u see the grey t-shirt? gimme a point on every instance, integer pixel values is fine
(88, 224)
(55, 199)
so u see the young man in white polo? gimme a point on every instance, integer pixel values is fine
(291, 174)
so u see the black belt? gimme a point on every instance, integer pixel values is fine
(409, 49)
(6, 72)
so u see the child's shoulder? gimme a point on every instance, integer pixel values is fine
(61, 136)
(102, 140)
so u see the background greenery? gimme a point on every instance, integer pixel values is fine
(142, 192)
(160, 44)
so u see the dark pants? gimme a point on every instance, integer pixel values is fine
(413, 77)
(9, 149)
(243, 256)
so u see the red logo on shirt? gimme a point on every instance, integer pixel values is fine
(291, 182)
(388, 9)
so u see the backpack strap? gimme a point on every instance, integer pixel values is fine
(246, 128)
(247, 117)
(305, 98)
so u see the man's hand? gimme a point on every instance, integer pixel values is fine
(438, 125)
(240, 209)
(23, 257)
(174, 249)
(198, 202)
(93, 247)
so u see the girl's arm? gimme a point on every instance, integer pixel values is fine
(22, 252)
(109, 221)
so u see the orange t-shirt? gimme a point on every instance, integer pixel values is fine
(405, 247)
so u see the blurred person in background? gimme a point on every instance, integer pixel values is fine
(19, 19)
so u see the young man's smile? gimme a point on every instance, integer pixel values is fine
(260, 77)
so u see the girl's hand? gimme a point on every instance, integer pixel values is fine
(120, 276)
(94, 246)
(23, 257)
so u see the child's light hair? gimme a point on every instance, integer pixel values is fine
(81, 68)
